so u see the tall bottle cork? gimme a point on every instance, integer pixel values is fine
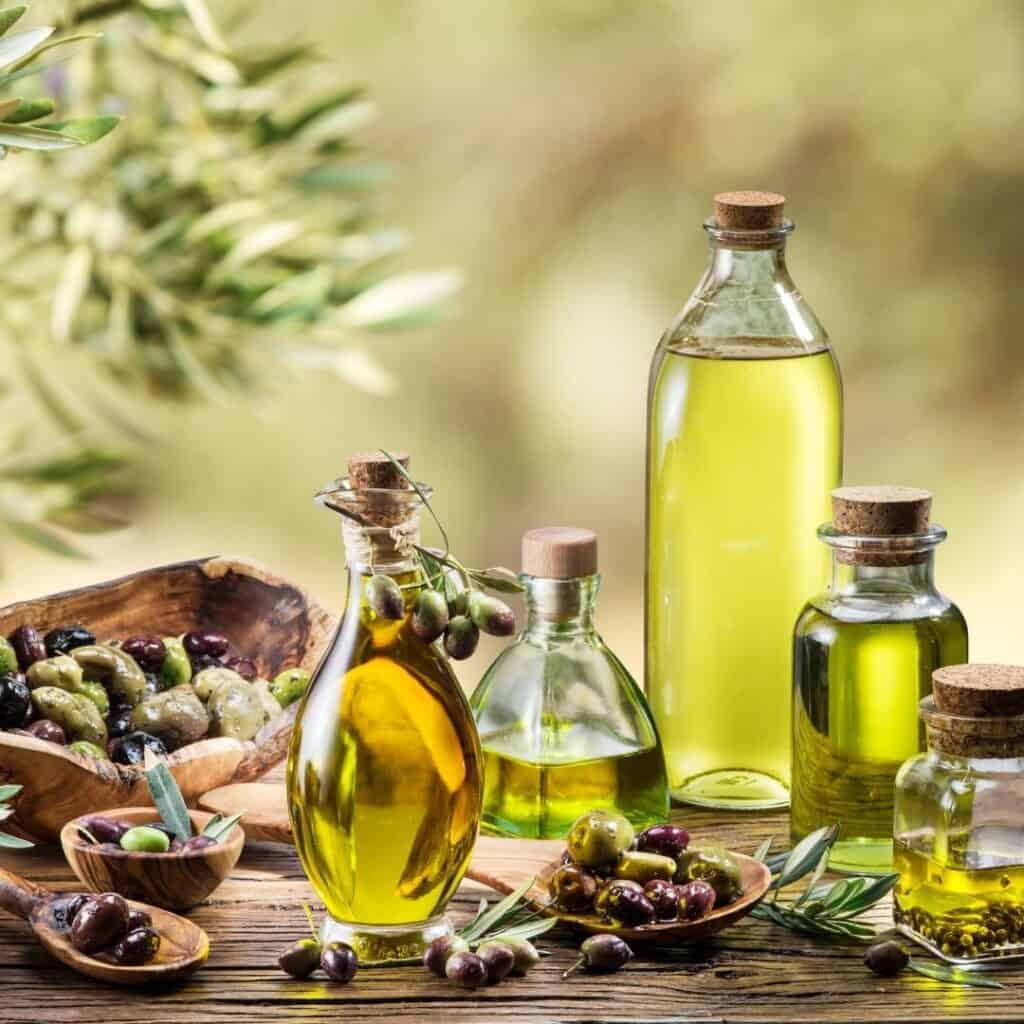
(976, 710)
(375, 471)
(881, 511)
(559, 552)
(749, 211)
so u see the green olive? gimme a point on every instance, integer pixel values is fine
(598, 837)
(143, 839)
(236, 710)
(714, 865)
(74, 713)
(63, 672)
(207, 682)
(644, 867)
(89, 750)
(8, 659)
(288, 686)
(271, 709)
(97, 693)
(177, 666)
(176, 716)
(119, 671)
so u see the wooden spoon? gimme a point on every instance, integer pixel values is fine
(184, 946)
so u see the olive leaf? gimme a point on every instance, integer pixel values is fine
(219, 826)
(497, 578)
(511, 918)
(952, 975)
(167, 798)
(7, 841)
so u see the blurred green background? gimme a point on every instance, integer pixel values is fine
(563, 153)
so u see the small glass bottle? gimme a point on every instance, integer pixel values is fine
(744, 444)
(384, 770)
(863, 656)
(959, 825)
(563, 725)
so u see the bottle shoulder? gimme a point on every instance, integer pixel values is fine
(865, 607)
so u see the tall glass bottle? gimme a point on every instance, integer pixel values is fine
(863, 656)
(564, 727)
(744, 446)
(384, 768)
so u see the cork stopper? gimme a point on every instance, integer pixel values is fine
(881, 511)
(749, 211)
(979, 690)
(976, 711)
(375, 471)
(559, 552)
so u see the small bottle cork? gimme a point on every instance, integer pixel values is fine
(749, 211)
(881, 511)
(559, 552)
(375, 471)
(978, 691)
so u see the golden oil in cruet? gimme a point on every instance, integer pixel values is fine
(744, 446)
(384, 768)
(863, 656)
(563, 726)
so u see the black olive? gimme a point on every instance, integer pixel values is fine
(441, 950)
(104, 830)
(64, 909)
(15, 700)
(100, 922)
(148, 651)
(466, 970)
(244, 667)
(137, 947)
(154, 683)
(28, 646)
(119, 721)
(67, 638)
(138, 919)
(339, 962)
(301, 958)
(603, 954)
(886, 958)
(131, 749)
(45, 729)
(203, 661)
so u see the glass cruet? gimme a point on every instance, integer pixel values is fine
(384, 768)
(563, 726)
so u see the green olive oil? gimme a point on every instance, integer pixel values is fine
(744, 448)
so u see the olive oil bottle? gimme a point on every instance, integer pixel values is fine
(564, 727)
(384, 769)
(744, 446)
(863, 656)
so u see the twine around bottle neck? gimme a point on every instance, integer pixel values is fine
(371, 549)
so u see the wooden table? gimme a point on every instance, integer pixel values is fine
(753, 972)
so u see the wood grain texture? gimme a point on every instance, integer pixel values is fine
(174, 881)
(268, 619)
(184, 946)
(750, 974)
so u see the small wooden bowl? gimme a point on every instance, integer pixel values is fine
(174, 881)
(266, 618)
(754, 875)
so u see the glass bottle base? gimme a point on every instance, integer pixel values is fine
(861, 856)
(733, 790)
(386, 943)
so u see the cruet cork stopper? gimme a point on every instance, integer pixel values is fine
(375, 471)
(749, 211)
(979, 691)
(881, 511)
(559, 552)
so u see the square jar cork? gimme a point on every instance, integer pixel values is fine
(979, 691)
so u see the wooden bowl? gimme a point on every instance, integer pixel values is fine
(266, 618)
(174, 881)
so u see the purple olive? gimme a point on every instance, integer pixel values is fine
(573, 889)
(467, 970)
(696, 899)
(665, 897)
(461, 637)
(441, 950)
(602, 954)
(138, 919)
(667, 840)
(339, 962)
(47, 730)
(244, 667)
(101, 921)
(137, 947)
(64, 909)
(28, 645)
(491, 615)
(199, 843)
(148, 651)
(624, 901)
(498, 958)
(199, 642)
(104, 830)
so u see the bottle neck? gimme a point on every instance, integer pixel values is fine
(917, 577)
(560, 608)
(753, 268)
(381, 549)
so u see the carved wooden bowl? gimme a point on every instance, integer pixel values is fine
(174, 881)
(266, 618)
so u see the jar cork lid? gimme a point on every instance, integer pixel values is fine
(559, 552)
(976, 710)
(882, 512)
(749, 210)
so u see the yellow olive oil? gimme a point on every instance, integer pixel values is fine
(744, 449)
(384, 773)
(857, 686)
(541, 801)
(966, 910)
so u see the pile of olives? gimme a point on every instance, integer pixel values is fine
(459, 622)
(337, 960)
(153, 837)
(107, 928)
(634, 880)
(450, 957)
(115, 700)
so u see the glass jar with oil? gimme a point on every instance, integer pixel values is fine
(959, 824)
(744, 446)
(563, 726)
(384, 770)
(863, 656)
